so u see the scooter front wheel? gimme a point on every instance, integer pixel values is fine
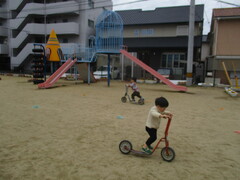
(125, 147)
(167, 154)
(124, 99)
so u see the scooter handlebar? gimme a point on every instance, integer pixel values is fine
(168, 125)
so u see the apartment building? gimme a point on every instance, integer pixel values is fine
(4, 57)
(25, 22)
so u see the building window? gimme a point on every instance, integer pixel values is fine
(39, 39)
(173, 60)
(38, 20)
(182, 30)
(65, 20)
(91, 23)
(91, 4)
(65, 40)
(176, 60)
(143, 32)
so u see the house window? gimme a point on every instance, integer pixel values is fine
(143, 32)
(169, 60)
(182, 30)
(164, 60)
(173, 60)
(91, 23)
(147, 32)
(176, 60)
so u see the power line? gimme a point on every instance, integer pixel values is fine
(237, 5)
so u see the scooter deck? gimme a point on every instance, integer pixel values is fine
(140, 152)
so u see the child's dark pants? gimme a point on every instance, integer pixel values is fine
(153, 135)
(136, 93)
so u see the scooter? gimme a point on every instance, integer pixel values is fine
(126, 96)
(167, 152)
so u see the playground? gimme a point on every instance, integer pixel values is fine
(72, 131)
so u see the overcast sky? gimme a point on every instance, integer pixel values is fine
(152, 4)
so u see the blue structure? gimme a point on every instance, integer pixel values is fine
(82, 53)
(109, 33)
(108, 40)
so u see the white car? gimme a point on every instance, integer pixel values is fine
(102, 72)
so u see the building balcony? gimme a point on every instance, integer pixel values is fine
(14, 4)
(42, 29)
(3, 13)
(39, 9)
(26, 51)
(3, 31)
(3, 49)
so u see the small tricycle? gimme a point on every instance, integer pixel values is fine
(127, 96)
(167, 152)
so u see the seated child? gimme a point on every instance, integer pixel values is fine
(155, 115)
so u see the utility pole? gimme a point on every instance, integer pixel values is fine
(190, 44)
(45, 22)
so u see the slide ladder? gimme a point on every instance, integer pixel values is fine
(153, 72)
(57, 74)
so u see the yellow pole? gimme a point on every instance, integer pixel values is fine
(225, 69)
(235, 75)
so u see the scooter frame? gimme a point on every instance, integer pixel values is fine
(126, 96)
(167, 152)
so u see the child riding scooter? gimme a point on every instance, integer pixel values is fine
(136, 92)
(155, 115)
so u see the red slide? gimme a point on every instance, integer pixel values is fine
(153, 72)
(57, 74)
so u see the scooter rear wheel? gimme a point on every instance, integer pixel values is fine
(125, 147)
(124, 99)
(167, 154)
(141, 101)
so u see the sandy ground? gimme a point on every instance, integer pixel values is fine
(73, 132)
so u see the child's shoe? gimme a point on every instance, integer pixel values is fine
(146, 150)
(150, 147)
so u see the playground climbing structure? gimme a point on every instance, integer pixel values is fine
(109, 40)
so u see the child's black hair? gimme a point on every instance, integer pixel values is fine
(134, 79)
(161, 101)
